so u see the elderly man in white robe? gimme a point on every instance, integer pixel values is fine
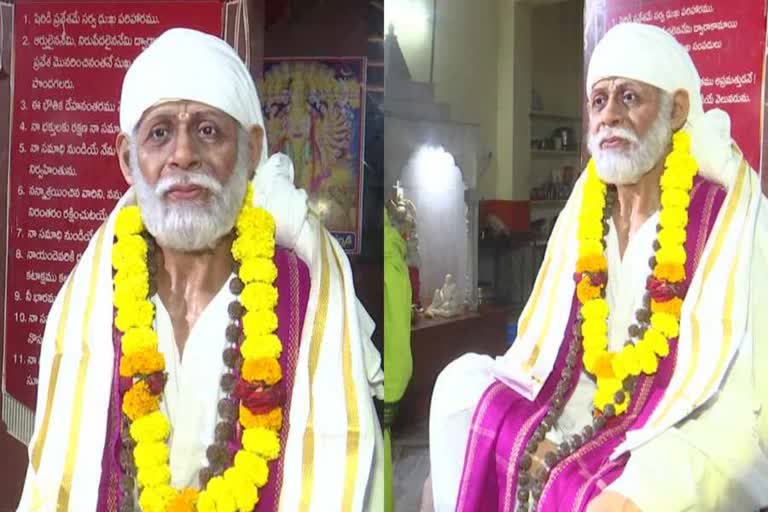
(636, 384)
(208, 352)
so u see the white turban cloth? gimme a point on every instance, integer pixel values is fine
(185, 64)
(649, 54)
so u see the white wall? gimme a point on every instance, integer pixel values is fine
(466, 49)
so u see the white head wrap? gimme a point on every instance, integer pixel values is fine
(184, 64)
(650, 54)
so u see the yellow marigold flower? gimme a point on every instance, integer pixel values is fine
(682, 180)
(593, 201)
(130, 290)
(184, 501)
(138, 314)
(671, 237)
(235, 477)
(141, 363)
(273, 420)
(262, 442)
(656, 341)
(257, 347)
(156, 499)
(586, 292)
(253, 220)
(133, 278)
(595, 343)
(245, 491)
(138, 401)
(253, 466)
(265, 370)
(675, 198)
(150, 454)
(667, 324)
(259, 323)
(128, 222)
(648, 362)
(630, 360)
(594, 263)
(595, 309)
(246, 220)
(672, 306)
(590, 359)
(606, 391)
(670, 273)
(256, 296)
(681, 141)
(150, 428)
(246, 498)
(223, 495)
(673, 218)
(138, 339)
(154, 476)
(594, 327)
(671, 255)
(590, 230)
(262, 270)
(589, 248)
(619, 368)
(257, 246)
(205, 502)
(129, 250)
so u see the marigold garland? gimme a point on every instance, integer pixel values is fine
(611, 368)
(237, 488)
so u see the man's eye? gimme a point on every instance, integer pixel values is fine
(208, 131)
(630, 97)
(598, 102)
(159, 133)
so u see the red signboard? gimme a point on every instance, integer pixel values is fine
(69, 62)
(726, 40)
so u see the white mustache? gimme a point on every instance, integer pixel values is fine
(623, 133)
(201, 179)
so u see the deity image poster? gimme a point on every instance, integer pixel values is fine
(314, 113)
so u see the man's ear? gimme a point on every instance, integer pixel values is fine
(680, 107)
(256, 141)
(123, 148)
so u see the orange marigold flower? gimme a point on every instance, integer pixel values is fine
(139, 401)
(265, 369)
(586, 292)
(593, 263)
(673, 306)
(141, 363)
(671, 273)
(273, 420)
(604, 367)
(184, 501)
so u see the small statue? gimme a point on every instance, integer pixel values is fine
(445, 302)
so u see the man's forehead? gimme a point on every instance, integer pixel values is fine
(615, 82)
(183, 109)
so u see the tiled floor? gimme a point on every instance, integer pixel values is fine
(410, 458)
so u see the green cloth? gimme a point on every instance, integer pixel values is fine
(398, 363)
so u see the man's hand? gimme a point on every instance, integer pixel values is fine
(612, 502)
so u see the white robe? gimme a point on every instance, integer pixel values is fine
(192, 391)
(710, 461)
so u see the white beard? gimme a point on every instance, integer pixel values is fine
(627, 166)
(191, 226)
